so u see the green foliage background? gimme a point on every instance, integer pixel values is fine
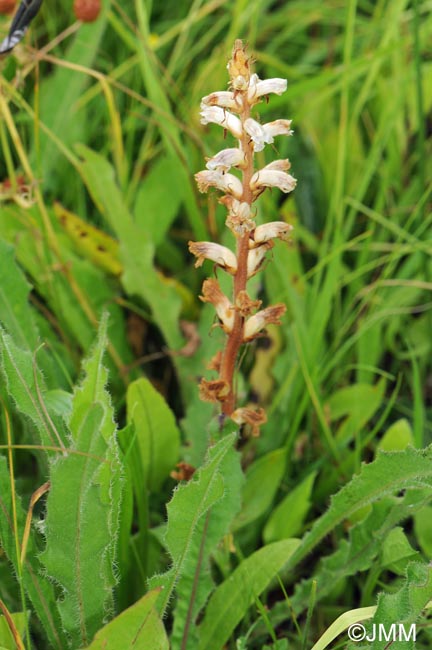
(274, 537)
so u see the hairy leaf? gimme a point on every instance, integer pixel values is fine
(39, 590)
(15, 312)
(387, 474)
(190, 503)
(196, 584)
(26, 387)
(401, 608)
(363, 546)
(83, 508)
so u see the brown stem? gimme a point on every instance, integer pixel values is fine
(235, 337)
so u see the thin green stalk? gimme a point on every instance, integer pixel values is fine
(421, 122)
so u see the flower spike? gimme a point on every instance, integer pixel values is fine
(232, 172)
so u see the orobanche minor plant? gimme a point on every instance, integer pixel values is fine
(240, 316)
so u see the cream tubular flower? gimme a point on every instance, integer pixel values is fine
(273, 176)
(218, 115)
(224, 99)
(221, 255)
(257, 134)
(259, 88)
(215, 178)
(262, 134)
(256, 257)
(226, 159)
(278, 127)
(271, 230)
(212, 293)
(268, 316)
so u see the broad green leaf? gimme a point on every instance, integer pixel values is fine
(356, 404)
(155, 209)
(190, 503)
(26, 387)
(136, 628)
(288, 517)
(6, 638)
(59, 402)
(262, 482)
(231, 600)
(154, 435)
(196, 584)
(83, 507)
(15, 312)
(39, 589)
(363, 546)
(396, 551)
(397, 437)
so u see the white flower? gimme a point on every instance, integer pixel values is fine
(256, 257)
(224, 99)
(221, 255)
(277, 127)
(215, 178)
(268, 316)
(258, 88)
(257, 134)
(226, 159)
(271, 230)
(273, 175)
(218, 115)
(262, 134)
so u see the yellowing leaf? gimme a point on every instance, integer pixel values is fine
(90, 242)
